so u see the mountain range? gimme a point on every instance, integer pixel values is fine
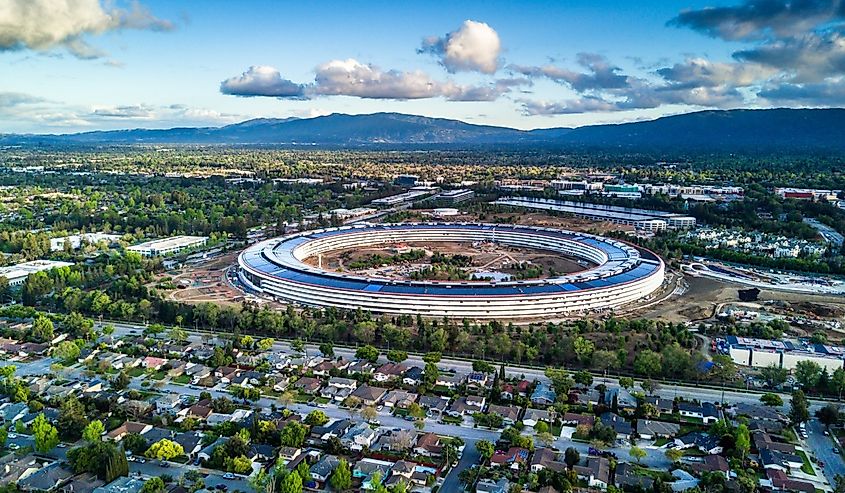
(717, 130)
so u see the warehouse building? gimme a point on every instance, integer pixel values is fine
(17, 274)
(761, 353)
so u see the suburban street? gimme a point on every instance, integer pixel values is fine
(821, 445)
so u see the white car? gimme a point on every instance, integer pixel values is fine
(228, 475)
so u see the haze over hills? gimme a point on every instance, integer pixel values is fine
(773, 129)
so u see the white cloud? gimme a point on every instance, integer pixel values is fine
(43, 25)
(475, 46)
(356, 79)
(261, 80)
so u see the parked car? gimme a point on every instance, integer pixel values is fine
(228, 475)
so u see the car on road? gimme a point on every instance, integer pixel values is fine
(222, 487)
(164, 463)
(12, 435)
(14, 446)
(228, 475)
(836, 450)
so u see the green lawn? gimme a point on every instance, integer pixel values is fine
(806, 468)
(135, 372)
(303, 398)
(662, 441)
(182, 379)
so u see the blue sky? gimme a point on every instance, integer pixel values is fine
(75, 65)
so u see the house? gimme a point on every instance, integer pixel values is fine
(651, 430)
(511, 458)
(13, 411)
(177, 368)
(399, 398)
(206, 452)
(509, 414)
(337, 394)
(307, 385)
(413, 376)
(664, 406)
(590, 397)
(201, 410)
(546, 458)
(336, 428)
(14, 468)
(466, 405)
(226, 373)
(389, 371)
(289, 454)
(534, 416)
(622, 399)
(700, 440)
(370, 396)
(708, 413)
(153, 363)
(449, 381)
(360, 367)
(623, 428)
(367, 468)
(359, 437)
(757, 412)
(773, 459)
(126, 428)
(627, 478)
(197, 372)
(429, 445)
(543, 395)
(49, 478)
(343, 383)
(712, 463)
(763, 440)
(779, 481)
(122, 484)
(490, 486)
(596, 473)
(191, 442)
(478, 380)
(168, 403)
(435, 405)
(322, 470)
(574, 419)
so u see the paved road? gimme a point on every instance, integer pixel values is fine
(822, 446)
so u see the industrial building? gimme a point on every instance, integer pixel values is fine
(168, 246)
(647, 220)
(451, 197)
(406, 180)
(403, 198)
(17, 274)
(621, 274)
(761, 353)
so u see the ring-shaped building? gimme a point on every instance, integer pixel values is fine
(621, 273)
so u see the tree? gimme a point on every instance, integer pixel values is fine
(369, 413)
(770, 399)
(120, 381)
(178, 334)
(626, 382)
(397, 356)
(485, 449)
(327, 349)
(432, 357)
(828, 415)
(72, 419)
(265, 344)
(93, 431)
(546, 438)
(571, 457)
(483, 367)
(807, 374)
(153, 485)
(46, 436)
(66, 351)
(165, 449)
(648, 363)
(42, 329)
(316, 418)
(292, 483)
(674, 455)
(742, 441)
(637, 453)
(584, 378)
(774, 376)
(837, 382)
(583, 348)
(649, 386)
(293, 434)
(368, 353)
(799, 411)
(341, 479)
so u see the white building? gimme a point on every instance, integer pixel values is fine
(17, 274)
(168, 246)
(58, 244)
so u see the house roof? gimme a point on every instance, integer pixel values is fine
(648, 427)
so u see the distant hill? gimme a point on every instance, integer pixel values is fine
(769, 130)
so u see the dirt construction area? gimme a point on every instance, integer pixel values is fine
(204, 282)
(477, 258)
